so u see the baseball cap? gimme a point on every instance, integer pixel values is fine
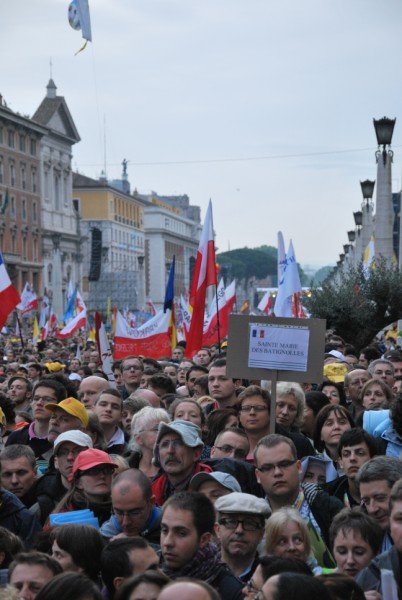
(76, 437)
(75, 377)
(227, 481)
(73, 407)
(91, 458)
(239, 502)
(335, 372)
(54, 367)
(189, 432)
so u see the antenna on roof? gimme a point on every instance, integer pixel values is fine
(51, 68)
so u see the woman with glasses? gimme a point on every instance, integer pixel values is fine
(254, 405)
(91, 482)
(144, 430)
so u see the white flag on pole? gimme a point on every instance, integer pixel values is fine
(288, 285)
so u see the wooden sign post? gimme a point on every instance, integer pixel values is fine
(276, 349)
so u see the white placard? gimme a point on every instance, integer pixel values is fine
(278, 347)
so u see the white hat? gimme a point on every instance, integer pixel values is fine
(76, 437)
(75, 377)
(238, 502)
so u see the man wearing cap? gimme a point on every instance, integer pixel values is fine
(68, 414)
(240, 528)
(178, 450)
(35, 435)
(134, 508)
(214, 485)
(354, 382)
(53, 485)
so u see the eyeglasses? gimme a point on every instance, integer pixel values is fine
(237, 452)
(247, 524)
(130, 514)
(64, 452)
(256, 408)
(154, 429)
(45, 399)
(132, 368)
(282, 466)
(165, 444)
(98, 470)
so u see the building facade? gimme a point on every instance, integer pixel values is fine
(172, 228)
(20, 197)
(61, 240)
(112, 227)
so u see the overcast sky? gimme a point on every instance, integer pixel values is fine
(287, 88)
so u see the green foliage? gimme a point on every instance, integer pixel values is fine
(357, 308)
(260, 262)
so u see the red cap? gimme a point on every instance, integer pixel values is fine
(91, 458)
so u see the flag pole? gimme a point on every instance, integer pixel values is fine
(217, 317)
(20, 330)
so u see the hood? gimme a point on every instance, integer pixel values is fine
(330, 471)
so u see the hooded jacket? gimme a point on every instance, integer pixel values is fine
(17, 518)
(370, 577)
(151, 531)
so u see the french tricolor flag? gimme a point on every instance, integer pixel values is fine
(9, 296)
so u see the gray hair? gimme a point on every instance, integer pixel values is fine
(285, 388)
(143, 419)
(16, 451)
(380, 468)
(379, 361)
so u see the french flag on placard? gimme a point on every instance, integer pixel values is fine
(9, 296)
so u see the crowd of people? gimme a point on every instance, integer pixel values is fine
(177, 482)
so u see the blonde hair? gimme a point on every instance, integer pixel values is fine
(285, 388)
(275, 524)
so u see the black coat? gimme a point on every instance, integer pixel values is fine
(17, 518)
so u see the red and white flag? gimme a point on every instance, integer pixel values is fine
(9, 296)
(49, 326)
(226, 300)
(105, 353)
(204, 276)
(266, 304)
(152, 339)
(77, 322)
(29, 300)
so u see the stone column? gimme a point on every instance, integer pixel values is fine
(57, 278)
(384, 213)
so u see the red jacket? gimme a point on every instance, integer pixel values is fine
(160, 484)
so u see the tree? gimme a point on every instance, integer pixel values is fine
(360, 305)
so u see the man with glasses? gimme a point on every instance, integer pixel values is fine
(131, 370)
(354, 382)
(214, 485)
(375, 480)
(240, 528)
(35, 435)
(231, 443)
(278, 471)
(178, 450)
(134, 509)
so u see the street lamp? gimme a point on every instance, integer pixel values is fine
(346, 248)
(342, 257)
(351, 235)
(367, 191)
(384, 128)
(358, 217)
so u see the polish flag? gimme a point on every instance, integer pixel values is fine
(77, 322)
(266, 304)
(151, 339)
(29, 300)
(49, 326)
(9, 296)
(204, 276)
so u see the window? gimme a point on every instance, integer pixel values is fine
(57, 191)
(11, 138)
(12, 175)
(33, 147)
(34, 180)
(22, 143)
(34, 212)
(1, 171)
(13, 244)
(49, 274)
(23, 177)
(1, 135)
(12, 206)
(24, 209)
(24, 247)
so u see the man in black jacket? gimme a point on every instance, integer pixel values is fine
(278, 471)
(187, 525)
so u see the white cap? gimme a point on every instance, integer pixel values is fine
(76, 437)
(75, 377)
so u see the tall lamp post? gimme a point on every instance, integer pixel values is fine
(384, 214)
(358, 219)
(367, 188)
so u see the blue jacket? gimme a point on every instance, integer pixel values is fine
(394, 445)
(151, 531)
(17, 518)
